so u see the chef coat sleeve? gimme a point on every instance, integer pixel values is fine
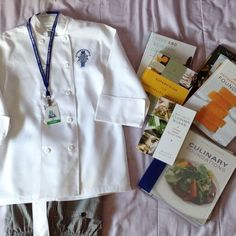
(123, 100)
(4, 118)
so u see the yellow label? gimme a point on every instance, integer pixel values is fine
(160, 86)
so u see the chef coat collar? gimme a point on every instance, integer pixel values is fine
(42, 22)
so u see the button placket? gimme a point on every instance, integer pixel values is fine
(62, 138)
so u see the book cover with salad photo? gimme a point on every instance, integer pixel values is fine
(195, 182)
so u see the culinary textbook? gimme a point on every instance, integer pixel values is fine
(215, 103)
(217, 57)
(179, 51)
(167, 125)
(166, 77)
(192, 186)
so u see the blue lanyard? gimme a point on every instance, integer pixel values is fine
(45, 76)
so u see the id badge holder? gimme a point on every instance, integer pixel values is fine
(52, 114)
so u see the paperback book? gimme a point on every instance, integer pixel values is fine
(179, 51)
(173, 70)
(217, 57)
(167, 77)
(215, 103)
(167, 126)
(195, 182)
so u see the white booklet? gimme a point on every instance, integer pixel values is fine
(167, 126)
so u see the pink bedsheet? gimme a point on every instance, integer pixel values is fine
(204, 23)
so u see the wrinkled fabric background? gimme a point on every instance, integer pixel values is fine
(203, 23)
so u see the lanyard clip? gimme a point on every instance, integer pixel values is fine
(49, 100)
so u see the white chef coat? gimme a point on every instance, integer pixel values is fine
(85, 154)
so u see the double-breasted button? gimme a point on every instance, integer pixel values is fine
(47, 150)
(67, 65)
(42, 41)
(68, 92)
(65, 38)
(69, 119)
(71, 147)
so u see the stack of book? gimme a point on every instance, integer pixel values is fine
(189, 171)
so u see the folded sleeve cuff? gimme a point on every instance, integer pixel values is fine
(4, 127)
(120, 110)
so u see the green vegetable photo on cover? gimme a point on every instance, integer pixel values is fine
(191, 183)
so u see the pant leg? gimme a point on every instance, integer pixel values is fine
(18, 221)
(67, 218)
(75, 218)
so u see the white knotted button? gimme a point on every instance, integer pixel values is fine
(68, 92)
(47, 150)
(69, 119)
(71, 147)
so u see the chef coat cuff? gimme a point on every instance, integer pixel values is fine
(122, 110)
(4, 127)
